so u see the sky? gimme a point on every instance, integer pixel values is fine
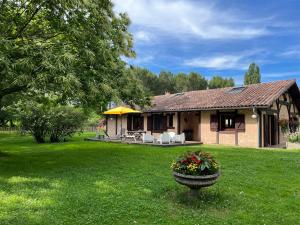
(216, 37)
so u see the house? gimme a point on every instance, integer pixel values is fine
(245, 116)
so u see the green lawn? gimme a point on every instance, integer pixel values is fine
(82, 182)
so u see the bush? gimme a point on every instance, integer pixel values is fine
(58, 122)
(35, 118)
(195, 163)
(65, 121)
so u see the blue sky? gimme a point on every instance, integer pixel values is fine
(216, 37)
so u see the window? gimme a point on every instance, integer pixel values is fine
(135, 122)
(227, 121)
(236, 90)
(158, 122)
(170, 121)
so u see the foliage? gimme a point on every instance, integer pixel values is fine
(294, 137)
(36, 119)
(195, 163)
(196, 82)
(68, 48)
(252, 76)
(64, 122)
(149, 80)
(133, 93)
(58, 123)
(220, 82)
(166, 82)
(284, 125)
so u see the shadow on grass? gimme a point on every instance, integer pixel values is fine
(207, 198)
(3, 154)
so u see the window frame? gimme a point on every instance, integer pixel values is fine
(161, 128)
(222, 121)
(170, 121)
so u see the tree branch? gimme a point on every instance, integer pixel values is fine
(11, 90)
(28, 22)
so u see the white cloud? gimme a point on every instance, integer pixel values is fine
(292, 52)
(282, 74)
(239, 61)
(143, 36)
(190, 18)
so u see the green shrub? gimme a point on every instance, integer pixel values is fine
(65, 121)
(57, 123)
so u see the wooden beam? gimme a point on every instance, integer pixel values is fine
(281, 102)
(235, 130)
(199, 124)
(178, 122)
(218, 127)
(270, 111)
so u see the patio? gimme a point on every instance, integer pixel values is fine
(139, 142)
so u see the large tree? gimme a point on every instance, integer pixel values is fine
(70, 49)
(166, 82)
(220, 82)
(181, 82)
(196, 82)
(252, 76)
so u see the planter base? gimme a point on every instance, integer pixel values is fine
(196, 182)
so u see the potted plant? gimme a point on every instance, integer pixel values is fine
(196, 170)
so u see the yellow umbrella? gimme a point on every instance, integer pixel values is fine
(120, 111)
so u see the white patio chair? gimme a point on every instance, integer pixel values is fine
(147, 138)
(179, 138)
(164, 138)
(172, 135)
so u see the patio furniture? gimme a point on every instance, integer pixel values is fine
(172, 135)
(180, 138)
(130, 137)
(147, 138)
(164, 138)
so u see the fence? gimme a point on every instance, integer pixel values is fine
(16, 129)
(9, 129)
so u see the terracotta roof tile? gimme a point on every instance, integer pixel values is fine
(259, 95)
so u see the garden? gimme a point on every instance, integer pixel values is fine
(79, 182)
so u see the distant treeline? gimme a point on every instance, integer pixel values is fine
(174, 83)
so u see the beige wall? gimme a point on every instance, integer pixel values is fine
(249, 138)
(111, 124)
(207, 136)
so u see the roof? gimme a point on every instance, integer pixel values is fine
(255, 95)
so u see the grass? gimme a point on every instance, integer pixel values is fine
(82, 182)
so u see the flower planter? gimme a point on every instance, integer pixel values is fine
(196, 182)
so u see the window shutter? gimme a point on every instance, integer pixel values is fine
(240, 123)
(165, 123)
(149, 123)
(213, 122)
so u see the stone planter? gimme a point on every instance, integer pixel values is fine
(196, 182)
(290, 145)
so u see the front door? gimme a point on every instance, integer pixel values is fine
(270, 130)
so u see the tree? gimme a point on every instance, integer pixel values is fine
(149, 80)
(252, 76)
(220, 82)
(166, 82)
(181, 82)
(68, 48)
(196, 82)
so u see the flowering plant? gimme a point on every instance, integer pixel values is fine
(196, 163)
